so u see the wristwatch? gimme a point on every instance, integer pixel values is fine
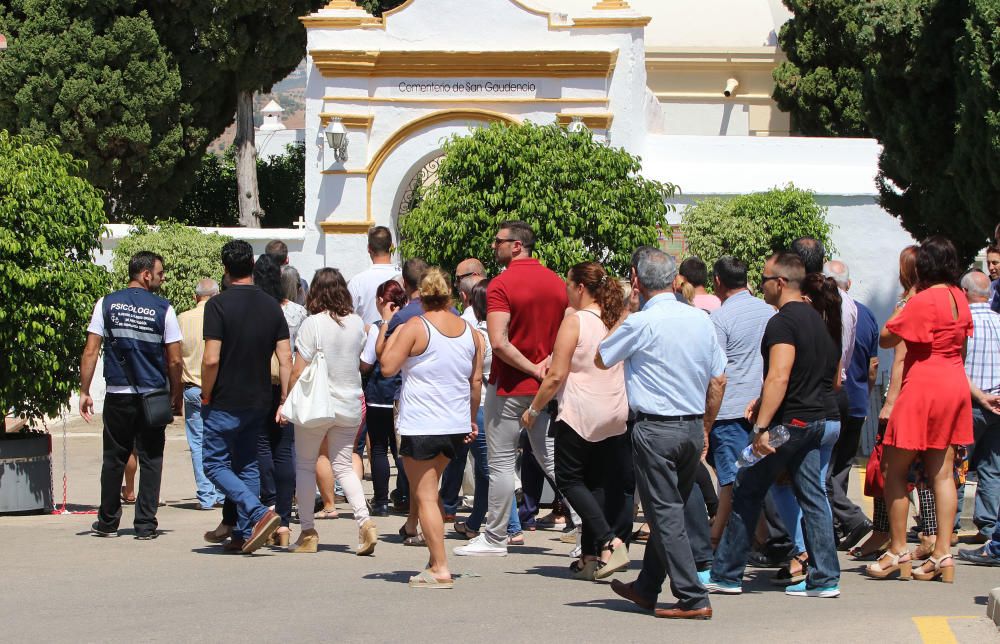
(533, 412)
(757, 430)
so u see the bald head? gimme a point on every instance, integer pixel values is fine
(468, 268)
(839, 272)
(206, 288)
(976, 286)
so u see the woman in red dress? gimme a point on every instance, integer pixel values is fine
(933, 412)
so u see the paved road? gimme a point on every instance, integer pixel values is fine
(61, 584)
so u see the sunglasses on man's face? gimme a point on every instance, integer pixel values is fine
(499, 240)
(767, 278)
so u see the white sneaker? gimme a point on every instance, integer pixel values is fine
(481, 547)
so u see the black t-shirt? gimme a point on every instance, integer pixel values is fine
(831, 398)
(249, 322)
(816, 355)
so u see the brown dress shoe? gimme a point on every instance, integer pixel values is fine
(262, 530)
(629, 592)
(682, 613)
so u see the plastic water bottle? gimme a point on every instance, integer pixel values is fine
(777, 436)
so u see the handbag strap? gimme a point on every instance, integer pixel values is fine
(125, 364)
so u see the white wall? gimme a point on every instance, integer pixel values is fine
(273, 143)
(300, 254)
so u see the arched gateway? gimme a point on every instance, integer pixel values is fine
(685, 84)
(400, 85)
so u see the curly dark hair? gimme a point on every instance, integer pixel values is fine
(328, 294)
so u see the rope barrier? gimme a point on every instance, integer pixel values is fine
(62, 510)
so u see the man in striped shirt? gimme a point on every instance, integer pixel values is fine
(982, 364)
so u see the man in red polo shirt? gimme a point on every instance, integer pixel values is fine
(524, 307)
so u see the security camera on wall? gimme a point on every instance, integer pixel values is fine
(731, 86)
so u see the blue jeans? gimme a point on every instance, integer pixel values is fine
(207, 493)
(482, 475)
(725, 442)
(230, 456)
(784, 497)
(800, 456)
(993, 547)
(986, 462)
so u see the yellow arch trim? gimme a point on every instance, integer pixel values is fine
(404, 132)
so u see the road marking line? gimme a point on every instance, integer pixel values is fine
(935, 630)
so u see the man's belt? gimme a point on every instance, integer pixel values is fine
(667, 419)
(189, 385)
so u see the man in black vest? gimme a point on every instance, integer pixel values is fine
(148, 338)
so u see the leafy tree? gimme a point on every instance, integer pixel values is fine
(585, 200)
(283, 186)
(212, 199)
(249, 45)
(94, 77)
(933, 102)
(51, 220)
(821, 82)
(139, 89)
(752, 227)
(929, 74)
(188, 255)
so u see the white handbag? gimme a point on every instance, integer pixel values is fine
(311, 404)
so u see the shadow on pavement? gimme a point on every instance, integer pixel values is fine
(981, 600)
(620, 605)
(398, 577)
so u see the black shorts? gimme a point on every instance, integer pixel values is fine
(428, 447)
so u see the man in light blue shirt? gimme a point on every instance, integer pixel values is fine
(675, 379)
(739, 325)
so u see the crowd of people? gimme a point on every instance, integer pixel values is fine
(731, 417)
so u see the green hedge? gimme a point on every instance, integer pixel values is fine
(51, 221)
(752, 227)
(188, 254)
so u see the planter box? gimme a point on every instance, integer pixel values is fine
(25, 473)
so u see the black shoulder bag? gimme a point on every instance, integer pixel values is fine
(157, 410)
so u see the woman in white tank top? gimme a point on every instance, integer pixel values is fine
(441, 359)
(593, 410)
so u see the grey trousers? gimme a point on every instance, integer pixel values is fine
(503, 428)
(666, 459)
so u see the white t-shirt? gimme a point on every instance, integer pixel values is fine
(363, 286)
(470, 316)
(368, 355)
(295, 314)
(341, 347)
(171, 334)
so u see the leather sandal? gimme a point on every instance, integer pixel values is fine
(945, 573)
(785, 576)
(896, 564)
(861, 553)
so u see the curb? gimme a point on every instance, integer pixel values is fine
(993, 606)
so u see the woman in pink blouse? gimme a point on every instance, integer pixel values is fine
(593, 410)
